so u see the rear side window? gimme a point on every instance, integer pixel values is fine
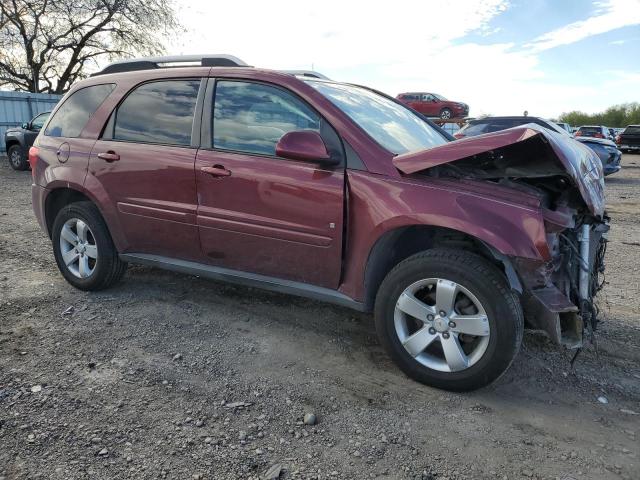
(158, 112)
(252, 117)
(71, 118)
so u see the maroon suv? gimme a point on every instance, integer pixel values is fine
(330, 191)
(434, 105)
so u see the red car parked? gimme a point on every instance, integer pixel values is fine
(434, 105)
(330, 191)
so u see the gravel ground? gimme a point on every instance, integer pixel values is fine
(172, 376)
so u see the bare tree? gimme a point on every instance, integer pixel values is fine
(46, 45)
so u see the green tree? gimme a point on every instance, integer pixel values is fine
(614, 116)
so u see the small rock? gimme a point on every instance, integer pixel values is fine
(208, 440)
(177, 356)
(310, 419)
(199, 423)
(31, 438)
(96, 440)
(68, 311)
(629, 412)
(602, 399)
(36, 388)
(237, 404)
(273, 473)
(259, 451)
(104, 452)
(242, 435)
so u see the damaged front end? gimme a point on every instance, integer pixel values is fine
(558, 289)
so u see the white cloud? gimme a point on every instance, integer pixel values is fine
(407, 45)
(610, 15)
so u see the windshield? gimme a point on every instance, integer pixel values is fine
(439, 97)
(393, 126)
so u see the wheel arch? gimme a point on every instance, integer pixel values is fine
(65, 194)
(397, 244)
(12, 142)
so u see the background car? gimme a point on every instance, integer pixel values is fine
(434, 105)
(629, 139)
(595, 131)
(19, 139)
(565, 126)
(606, 150)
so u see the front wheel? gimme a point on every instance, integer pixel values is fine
(17, 158)
(449, 319)
(83, 248)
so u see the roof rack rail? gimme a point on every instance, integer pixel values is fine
(150, 63)
(306, 73)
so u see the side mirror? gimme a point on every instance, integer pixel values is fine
(305, 145)
(25, 126)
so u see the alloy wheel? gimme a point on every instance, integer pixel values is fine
(442, 325)
(15, 158)
(78, 248)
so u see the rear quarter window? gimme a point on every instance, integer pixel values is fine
(71, 118)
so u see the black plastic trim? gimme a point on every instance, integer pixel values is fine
(245, 278)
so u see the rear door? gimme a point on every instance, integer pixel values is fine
(144, 164)
(429, 105)
(257, 212)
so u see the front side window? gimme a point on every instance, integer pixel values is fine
(158, 112)
(252, 117)
(71, 118)
(392, 125)
(38, 122)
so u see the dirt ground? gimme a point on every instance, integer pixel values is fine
(172, 376)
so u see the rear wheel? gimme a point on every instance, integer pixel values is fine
(449, 319)
(17, 158)
(83, 248)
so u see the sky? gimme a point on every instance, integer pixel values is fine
(502, 57)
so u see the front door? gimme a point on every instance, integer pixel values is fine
(260, 213)
(144, 163)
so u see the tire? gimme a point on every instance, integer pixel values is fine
(498, 321)
(17, 158)
(98, 264)
(446, 114)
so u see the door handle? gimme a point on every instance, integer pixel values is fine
(109, 156)
(216, 171)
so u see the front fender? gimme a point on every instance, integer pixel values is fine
(378, 205)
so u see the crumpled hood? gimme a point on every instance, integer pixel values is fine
(582, 165)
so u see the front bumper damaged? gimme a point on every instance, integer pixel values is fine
(559, 295)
